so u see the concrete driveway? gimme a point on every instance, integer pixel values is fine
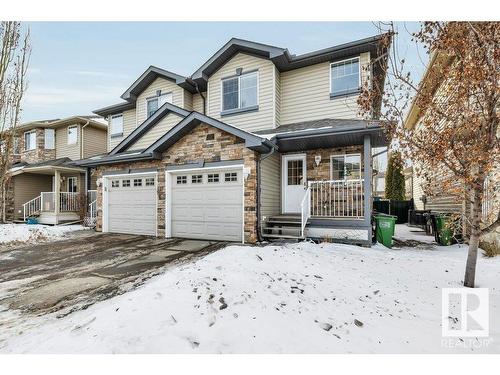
(68, 275)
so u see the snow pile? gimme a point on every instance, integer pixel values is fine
(297, 298)
(24, 233)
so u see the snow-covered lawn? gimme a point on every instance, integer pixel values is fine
(295, 298)
(31, 234)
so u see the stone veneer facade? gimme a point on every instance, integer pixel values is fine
(192, 148)
(39, 154)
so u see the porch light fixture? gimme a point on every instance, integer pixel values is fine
(317, 160)
(246, 172)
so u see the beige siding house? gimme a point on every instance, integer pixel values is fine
(45, 183)
(256, 144)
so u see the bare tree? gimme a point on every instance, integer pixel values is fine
(458, 99)
(14, 60)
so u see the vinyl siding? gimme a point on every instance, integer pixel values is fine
(305, 94)
(250, 121)
(277, 97)
(129, 124)
(167, 123)
(270, 186)
(198, 102)
(94, 141)
(63, 150)
(158, 84)
(188, 100)
(28, 186)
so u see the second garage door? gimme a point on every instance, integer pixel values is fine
(132, 205)
(208, 205)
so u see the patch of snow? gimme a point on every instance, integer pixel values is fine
(294, 298)
(403, 232)
(25, 233)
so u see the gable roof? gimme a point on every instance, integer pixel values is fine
(149, 75)
(281, 57)
(252, 141)
(148, 124)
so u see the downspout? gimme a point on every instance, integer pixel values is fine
(195, 84)
(259, 174)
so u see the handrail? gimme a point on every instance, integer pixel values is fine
(305, 207)
(32, 206)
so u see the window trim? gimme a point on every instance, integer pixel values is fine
(349, 92)
(67, 132)
(344, 156)
(53, 139)
(238, 110)
(72, 178)
(156, 97)
(24, 140)
(115, 135)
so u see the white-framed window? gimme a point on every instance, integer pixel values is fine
(231, 176)
(150, 181)
(72, 184)
(30, 140)
(115, 183)
(240, 92)
(345, 77)
(137, 181)
(152, 104)
(213, 177)
(116, 125)
(50, 137)
(181, 180)
(72, 134)
(345, 167)
(197, 179)
(125, 183)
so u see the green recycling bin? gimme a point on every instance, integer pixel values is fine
(385, 225)
(444, 231)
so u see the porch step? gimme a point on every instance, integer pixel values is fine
(281, 236)
(283, 226)
(292, 231)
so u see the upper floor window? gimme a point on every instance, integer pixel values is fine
(49, 139)
(30, 140)
(240, 92)
(156, 102)
(72, 134)
(116, 125)
(344, 77)
(346, 167)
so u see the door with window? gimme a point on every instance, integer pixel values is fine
(72, 184)
(294, 172)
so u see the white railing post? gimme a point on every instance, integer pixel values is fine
(305, 206)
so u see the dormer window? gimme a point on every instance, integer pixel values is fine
(157, 101)
(345, 77)
(240, 93)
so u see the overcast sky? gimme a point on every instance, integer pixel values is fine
(81, 66)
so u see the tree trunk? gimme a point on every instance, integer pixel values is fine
(470, 268)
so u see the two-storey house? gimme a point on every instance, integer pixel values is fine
(256, 143)
(45, 183)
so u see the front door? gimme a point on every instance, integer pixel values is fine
(72, 184)
(294, 182)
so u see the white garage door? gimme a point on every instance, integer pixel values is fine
(208, 205)
(132, 205)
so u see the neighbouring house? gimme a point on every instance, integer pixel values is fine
(256, 144)
(444, 200)
(45, 182)
(408, 173)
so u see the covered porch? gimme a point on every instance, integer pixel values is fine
(325, 183)
(51, 194)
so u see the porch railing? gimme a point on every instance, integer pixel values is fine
(48, 201)
(91, 195)
(32, 207)
(337, 199)
(305, 206)
(69, 202)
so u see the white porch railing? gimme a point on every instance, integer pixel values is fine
(305, 207)
(32, 207)
(91, 195)
(48, 201)
(69, 202)
(337, 199)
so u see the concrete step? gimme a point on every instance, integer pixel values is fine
(281, 236)
(283, 230)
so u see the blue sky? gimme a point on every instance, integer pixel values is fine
(77, 67)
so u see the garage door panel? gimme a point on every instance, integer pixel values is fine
(208, 210)
(132, 209)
